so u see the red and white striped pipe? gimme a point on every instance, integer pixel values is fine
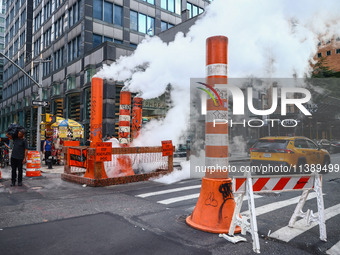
(216, 138)
(136, 117)
(124, 118)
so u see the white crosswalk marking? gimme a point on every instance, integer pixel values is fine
(277, 205)
(286, 233)
(168, 191)
(334, 250)
(187, 197)
(178, 199)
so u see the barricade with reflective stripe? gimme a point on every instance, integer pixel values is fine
(251, 184)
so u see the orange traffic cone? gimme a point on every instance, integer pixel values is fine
(215, 206)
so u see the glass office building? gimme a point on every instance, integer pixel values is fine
(75, 38)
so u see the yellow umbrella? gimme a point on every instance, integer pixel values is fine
(58, 121)
(65, 125)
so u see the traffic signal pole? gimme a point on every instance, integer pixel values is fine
(39, 107)
(39, 84)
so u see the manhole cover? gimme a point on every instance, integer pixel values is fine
(182, 218)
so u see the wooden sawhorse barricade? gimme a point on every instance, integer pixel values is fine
(251, 184)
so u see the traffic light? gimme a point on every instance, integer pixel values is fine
(47, 117)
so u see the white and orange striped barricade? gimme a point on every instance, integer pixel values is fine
(265, 184)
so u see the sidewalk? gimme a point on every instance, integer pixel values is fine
(6, 172)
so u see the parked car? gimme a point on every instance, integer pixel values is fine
(335, 147)
(288, 151)
(325, 144)
(250, 144)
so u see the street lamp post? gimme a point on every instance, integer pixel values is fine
(39, 84)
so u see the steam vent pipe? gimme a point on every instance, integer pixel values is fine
(96, 170)
(136, 117)
(215, 206)
(124, 118)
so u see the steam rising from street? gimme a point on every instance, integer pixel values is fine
(266, 39)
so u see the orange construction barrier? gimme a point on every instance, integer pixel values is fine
(71, 143)
(33, 164)
(136, 117)
(215, 206)
(96, 128)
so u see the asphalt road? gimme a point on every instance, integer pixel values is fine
(50, 216)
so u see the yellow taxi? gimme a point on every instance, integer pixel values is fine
(288, 151)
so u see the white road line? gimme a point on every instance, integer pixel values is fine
(178, 199)
(277, 205)
(168, 191)
(286, 233)
(334, 250)
(187, 197)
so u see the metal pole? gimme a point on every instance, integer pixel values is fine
(22, 70)
(39, 107)
(39, 84)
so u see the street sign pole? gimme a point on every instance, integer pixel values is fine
(39, 107)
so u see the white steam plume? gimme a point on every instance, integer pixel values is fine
(281, 33)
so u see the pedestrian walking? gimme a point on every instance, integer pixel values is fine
(19, 155)
(47, 149)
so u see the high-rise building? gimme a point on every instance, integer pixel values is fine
(2, 44)
(74, 38)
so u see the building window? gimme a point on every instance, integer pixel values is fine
(98, 9)
(171, 5)
(337, 51)
(118, 17)
(16, 26)
(58, 57)
(45, 94)
(47, 38)
(59, 27)
(329, 53)
(319, 55)
(133, 20)
(74, 13)
(23, 17)
(56, 89)
(166, 26)
(22, 38)
(142, 23)
(73, 105)
(15, 45)
(71, 82)
(22, 60)
(58, 3)
(37, 21)
(194, 10)
(47, 10)
(47, 66)
(108, 12)
(74, 48)
(89, 73)
(97, 40)
(37, 47)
